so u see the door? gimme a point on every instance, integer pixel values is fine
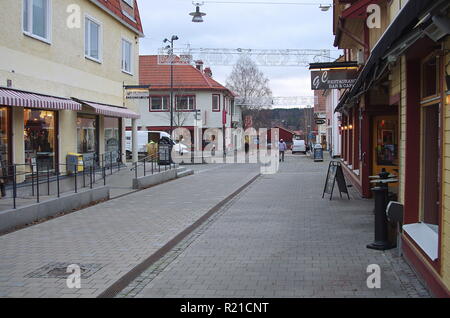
(385, 144)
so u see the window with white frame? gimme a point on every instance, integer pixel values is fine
(37, 18)
(159, 103)
(126, 56)
(216, 102)
(92, 38)
(186, 102)
(226, 105)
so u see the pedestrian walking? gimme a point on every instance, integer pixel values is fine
(282, 148)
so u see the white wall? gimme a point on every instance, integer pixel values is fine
(335, 138)
(210, 119)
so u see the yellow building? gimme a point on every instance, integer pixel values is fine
(63, 67)
(403, 95)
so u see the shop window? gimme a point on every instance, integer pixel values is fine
(159, 103)
(431, 166)
(386, 143)
(87, 134)
(430, 77)
(40, 138)
(112, 138)
(4, 136)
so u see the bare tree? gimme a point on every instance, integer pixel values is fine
(180, 117)
(252, 88)
(249, 83)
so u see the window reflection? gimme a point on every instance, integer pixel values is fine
(386, 148)
(86, 134)
(39, 137)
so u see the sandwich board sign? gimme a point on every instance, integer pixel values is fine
(335, 175)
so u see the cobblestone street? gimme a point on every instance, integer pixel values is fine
(111, 238)
(278, 238)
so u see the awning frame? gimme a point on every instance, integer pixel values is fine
(109, 110)
(19, 98)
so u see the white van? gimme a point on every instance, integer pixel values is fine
(298, 146)
(143, 138)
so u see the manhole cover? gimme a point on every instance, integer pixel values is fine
(59, 270)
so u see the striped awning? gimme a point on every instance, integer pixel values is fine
(109, 110)
(13, 97)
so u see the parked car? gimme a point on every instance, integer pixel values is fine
(143, 138)
(298, 146)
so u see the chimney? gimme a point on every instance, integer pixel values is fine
(199, 65)
(208, 72)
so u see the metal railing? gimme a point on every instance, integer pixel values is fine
(152, 163)
(40, 178)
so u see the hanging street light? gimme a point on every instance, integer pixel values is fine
(197, 16)
(325, 7)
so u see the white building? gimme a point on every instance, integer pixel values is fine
(197, 98)
(333, 123)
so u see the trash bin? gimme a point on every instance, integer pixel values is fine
(318, 153)
(164, 152)
(74, 162)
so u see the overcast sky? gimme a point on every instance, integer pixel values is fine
(243, 26)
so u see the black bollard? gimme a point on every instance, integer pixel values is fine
(381, 226)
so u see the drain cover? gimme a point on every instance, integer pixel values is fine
(59, 270)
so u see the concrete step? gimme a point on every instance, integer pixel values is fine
(181, 169)
(184, 173)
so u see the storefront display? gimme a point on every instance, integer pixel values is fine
(4, 135)
(386, 144)
(87, 136)
(112, 138)
(4, 147)
(40, 138)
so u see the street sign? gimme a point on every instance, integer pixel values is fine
(320, 121)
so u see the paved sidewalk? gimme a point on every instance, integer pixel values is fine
(278, 238)
(111, 238)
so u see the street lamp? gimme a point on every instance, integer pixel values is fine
(197, 16)
(325, 7)
(170, 48)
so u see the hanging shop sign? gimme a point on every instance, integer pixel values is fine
(333, 79)
(320, 121)
(137, 94)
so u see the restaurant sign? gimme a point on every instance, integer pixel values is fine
(333, 79)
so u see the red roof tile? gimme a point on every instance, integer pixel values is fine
(185, 77)
(118, 7)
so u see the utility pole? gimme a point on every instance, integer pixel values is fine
(170, 47)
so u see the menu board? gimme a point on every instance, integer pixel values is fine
(335, 174)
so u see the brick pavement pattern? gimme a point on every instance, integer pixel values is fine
(280, 239)
(115, 235)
